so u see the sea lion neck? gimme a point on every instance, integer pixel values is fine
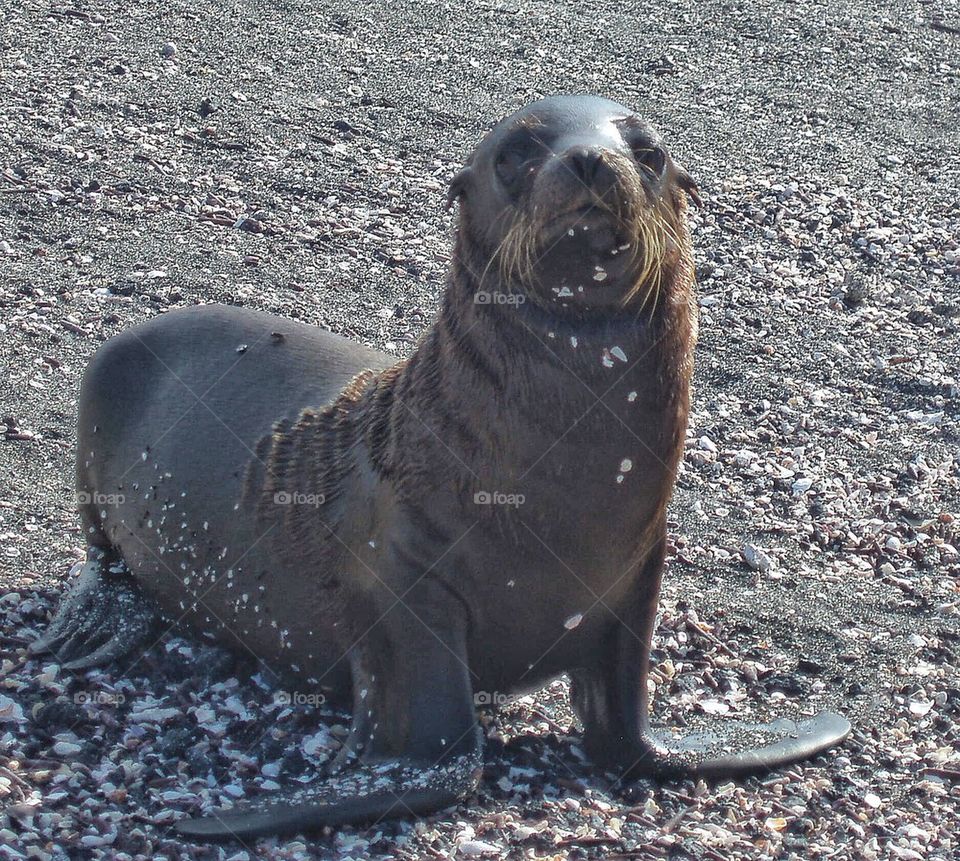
(492, 386)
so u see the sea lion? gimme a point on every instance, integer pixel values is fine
(469, 522)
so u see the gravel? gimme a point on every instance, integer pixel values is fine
(293, 157)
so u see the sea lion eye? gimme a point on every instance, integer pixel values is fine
(513, 162)
(508, 164)
(650, 157)
(642, 141)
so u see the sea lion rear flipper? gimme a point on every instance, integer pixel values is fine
(102, 618)
(414, 724)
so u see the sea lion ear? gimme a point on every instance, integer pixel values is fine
(458, 185)
(688, 184)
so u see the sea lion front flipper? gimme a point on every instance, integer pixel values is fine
(612, 700)
(619, 735)
(745, 748)
(102, 618)
(367, 794)
(414, 726)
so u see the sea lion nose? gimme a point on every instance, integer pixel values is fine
(589, 165)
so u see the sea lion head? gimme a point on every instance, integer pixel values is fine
(575, 203)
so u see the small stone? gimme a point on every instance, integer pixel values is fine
(10, 710)
(477, 848)
(67, 748)
(155, 715)
(94, 840)
(756, 559)
(209, 105)
(234, 790)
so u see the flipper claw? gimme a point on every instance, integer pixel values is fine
(102, 618)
